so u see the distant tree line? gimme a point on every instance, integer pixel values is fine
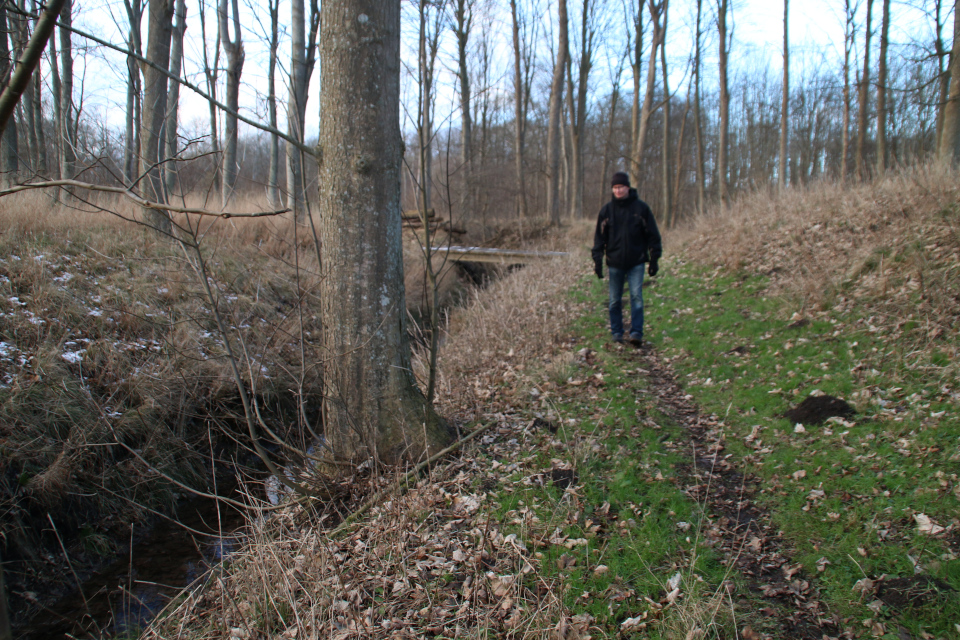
(511, 108)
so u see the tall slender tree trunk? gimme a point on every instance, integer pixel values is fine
(678, 171)
(667, 214)
(785, 104)
(943, 77)
(520, 92)
(235, 55)
(296, 106)
(159, 32)
(372, 407)
(608, 140)
(848, 35)
(723, 143)
(172, 124)
(20, 33)
(68, 142)
(697, 122)
(463, 15)
(273, 172)
(578, 109)
(429, 46)
(8, 141)
(864, 107)
(210, 74)
(636, 65)
(131, 142)
(950, 139)
(882, 91)
(555, 109)
(56, 95)
(656, 11)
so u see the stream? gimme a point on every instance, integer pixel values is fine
(126, 595)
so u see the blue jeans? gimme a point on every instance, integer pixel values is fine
(634, 278)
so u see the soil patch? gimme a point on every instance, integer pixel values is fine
(563, 478)
(816, 410)
(912, 591)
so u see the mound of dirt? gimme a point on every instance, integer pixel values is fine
(818, 409)
(915, 591)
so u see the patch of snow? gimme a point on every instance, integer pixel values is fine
(73, 357)
(65, 278)
(95, 313)
(6, 349)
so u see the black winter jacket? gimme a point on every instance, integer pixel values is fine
(627, 233)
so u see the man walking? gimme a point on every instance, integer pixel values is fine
(628, 234)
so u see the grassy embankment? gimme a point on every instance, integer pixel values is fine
(852, 293)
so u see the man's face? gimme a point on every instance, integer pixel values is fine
(620, 191)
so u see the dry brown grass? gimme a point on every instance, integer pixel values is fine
(873, 245)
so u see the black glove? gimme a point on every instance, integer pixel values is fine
(598, 269)
(654, 268)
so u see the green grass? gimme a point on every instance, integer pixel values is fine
(898, 459)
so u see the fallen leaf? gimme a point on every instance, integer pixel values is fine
(926, 525)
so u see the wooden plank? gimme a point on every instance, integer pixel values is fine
(494, 255)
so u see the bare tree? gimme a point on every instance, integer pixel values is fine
(635, 41)
(462, 24)
(864, 107)
(235, 55)
(943, 71)
(159, 32)
(522, 80)
(273, 172)
(697, 120)
(429, 45)
(723, 143)
(131, 143)
(373, 408)
(785, 103)
(68, 139)
(611, 124)
(172, 125)
(667, 213)
(882, 90)
(211, 71)
(849, 33)
(556, 115)
(656, 13)
(8, 141)
(950, 138)
(578, 107)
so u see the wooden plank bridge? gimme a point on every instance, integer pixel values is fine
(493, 255)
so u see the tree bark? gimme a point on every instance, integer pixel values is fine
(8, 141)
(943, 77)
(172, 124)
(521, 92)
(785, 104)
(210, 73)
(372, 407)
(131, 142)
(864, 107)
(578, 123)
(697, 122)
(555, 111)
(273, 172)
(848, 35)
(235, 55)
(636, 65)
(68, 142)
(950, 139)
(159, 32)
(296, 106)
(429, 43)
(667, 214)
(656, 12)
(463, 18)
(722, 6)
(882, 91)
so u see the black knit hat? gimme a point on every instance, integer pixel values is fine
(620, 178)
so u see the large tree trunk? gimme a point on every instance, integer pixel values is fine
(943, 77)
(20, 34)
(273, 172)
(555, 111)
(950, 138)
(848, 35)
(68, 141)
(520, 97)
(172, 124)
(131, 142)
(372, 407)
(463, 17)
(785, 103)
(234, 50)
(723, 143)
(864, 107)
(159, 32)
(882, 91)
